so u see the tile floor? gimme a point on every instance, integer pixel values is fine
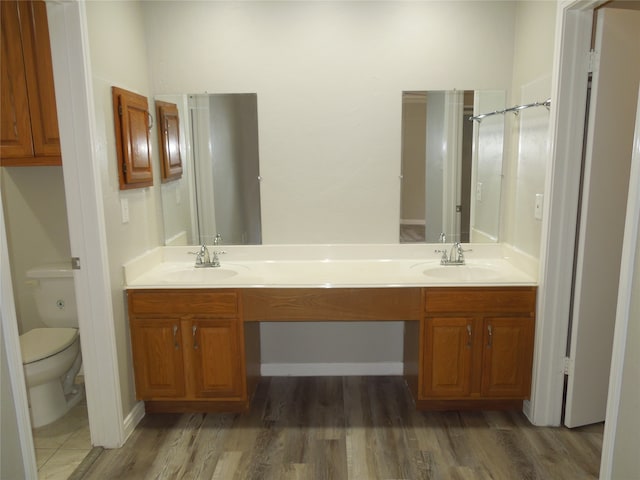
(63, 444)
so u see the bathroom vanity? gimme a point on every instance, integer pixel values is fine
(468, 340)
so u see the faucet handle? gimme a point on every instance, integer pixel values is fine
(461, 252)
(217, 239)
(215, 261)
(199, 255)
(444, 257)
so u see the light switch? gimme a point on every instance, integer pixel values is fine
(178, 197)
(478, 191)
(537, 209)
(124, 210)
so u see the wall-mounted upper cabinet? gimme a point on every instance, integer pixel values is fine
(28, 116)
(132, 124)
(169, 139)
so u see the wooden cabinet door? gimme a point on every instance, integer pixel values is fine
(507, 357)
(131, 118)
(216, 358)
(169, 137)
(15, 125)
(158, 358)
(29, 122)
(39, 72)
(447, 357)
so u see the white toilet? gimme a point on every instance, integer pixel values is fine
(51, 356)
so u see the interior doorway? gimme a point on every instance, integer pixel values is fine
(37, 233)
(604, 191)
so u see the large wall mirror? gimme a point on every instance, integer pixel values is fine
(451, 166)
(220, 195)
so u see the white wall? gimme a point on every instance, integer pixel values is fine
(119, 58)
(37, 229)
(526, 147)
(329, 78)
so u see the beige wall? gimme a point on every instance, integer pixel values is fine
(119, 58)
(526, 146)
(37, 229)
(329, 78)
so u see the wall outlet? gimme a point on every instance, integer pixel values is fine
(537, 209)
(124, 210)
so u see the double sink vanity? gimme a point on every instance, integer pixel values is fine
(195, 332)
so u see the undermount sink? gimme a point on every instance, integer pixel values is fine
(464, 273)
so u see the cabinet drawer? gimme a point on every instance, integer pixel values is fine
(481, 299)
(220, 303)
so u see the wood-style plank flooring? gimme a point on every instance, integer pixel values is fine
(360, 428)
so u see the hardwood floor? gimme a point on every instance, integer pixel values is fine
(348, 428)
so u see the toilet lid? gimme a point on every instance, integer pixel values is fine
(41, 343)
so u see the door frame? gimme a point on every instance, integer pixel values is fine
(85, 211)
(574, 23)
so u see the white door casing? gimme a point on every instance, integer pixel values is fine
(76, 119)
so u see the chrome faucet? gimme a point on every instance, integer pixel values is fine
(202, 257)
(454, 257)
(204, 260)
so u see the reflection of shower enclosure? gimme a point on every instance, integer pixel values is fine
(225, 152)
(451, 166)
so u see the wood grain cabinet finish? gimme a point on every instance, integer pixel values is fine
(158, 357)
(476, 345)
(133, 146)
(28, 116)
(189, 350)
(169, 140)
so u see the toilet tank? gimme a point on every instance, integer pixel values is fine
(54, 294)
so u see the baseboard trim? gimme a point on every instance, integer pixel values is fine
(131, 422)
(330, 369)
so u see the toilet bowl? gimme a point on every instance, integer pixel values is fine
(51, 356)
(51, 359)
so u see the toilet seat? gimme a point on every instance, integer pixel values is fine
(40, 343)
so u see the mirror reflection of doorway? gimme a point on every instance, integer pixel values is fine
(437, 149)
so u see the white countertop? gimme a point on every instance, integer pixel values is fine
(330, 266)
